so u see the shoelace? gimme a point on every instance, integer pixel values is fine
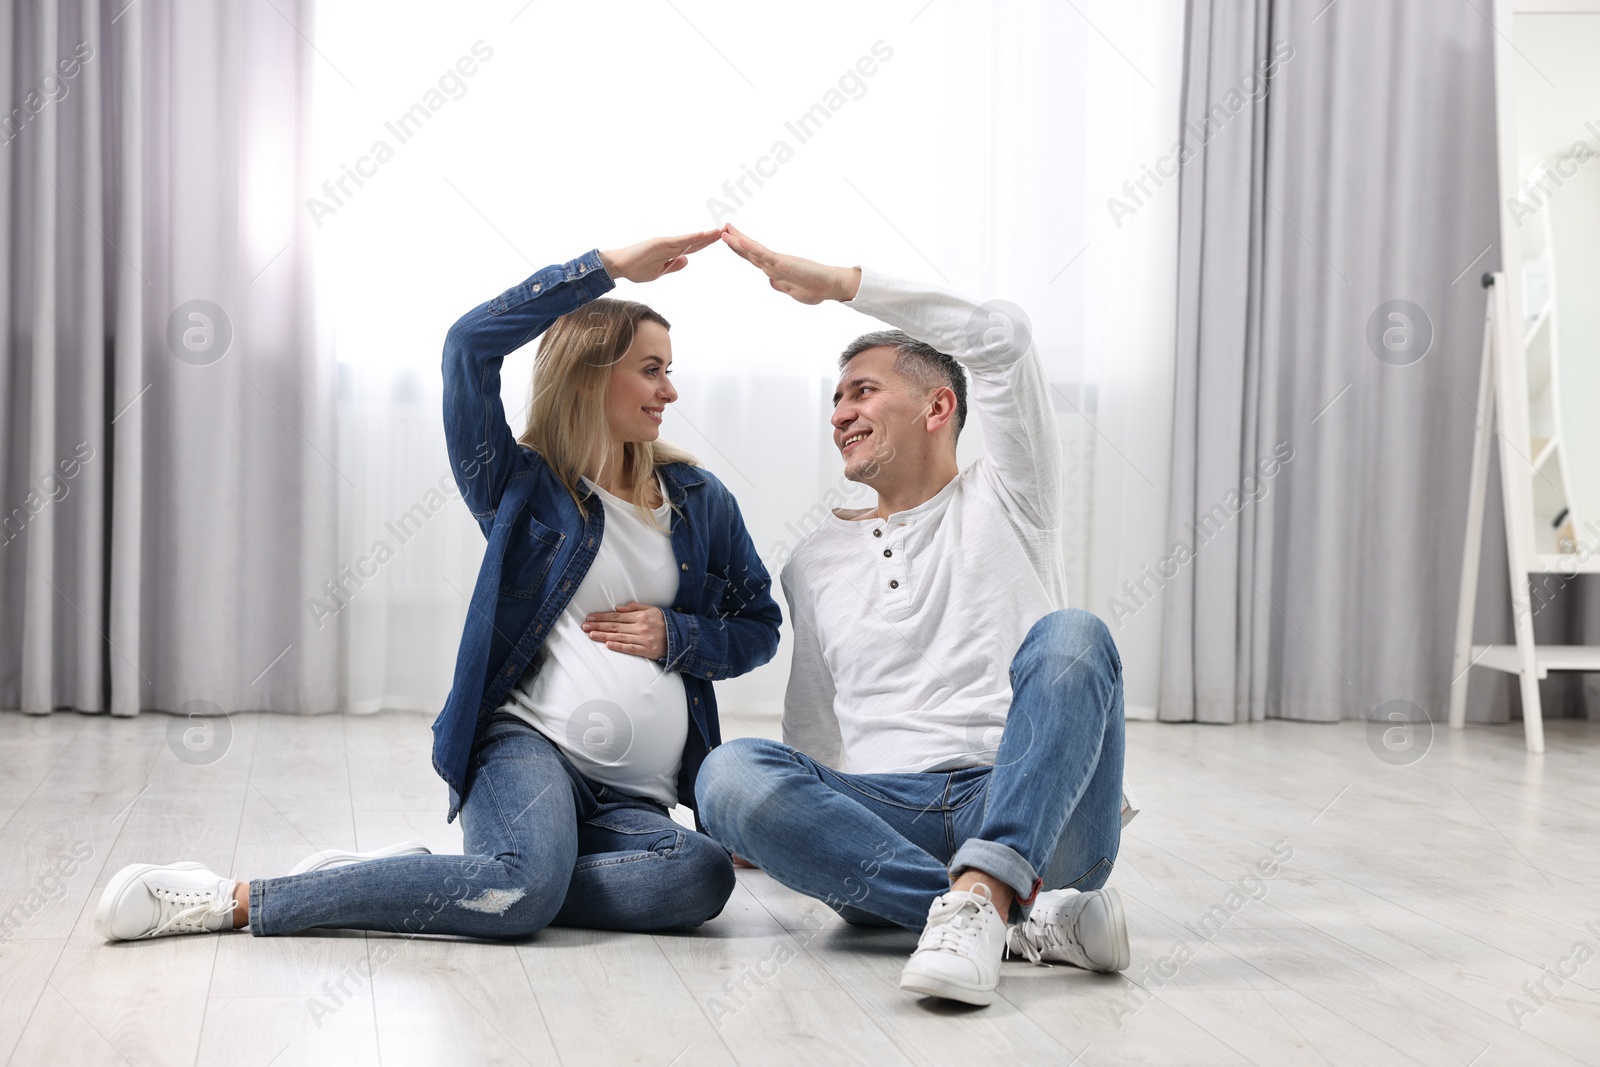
(190, 919)
(1035, 938)
(955, 933)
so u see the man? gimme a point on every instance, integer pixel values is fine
(953, 735)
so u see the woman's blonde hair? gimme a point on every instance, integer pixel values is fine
(567, 413)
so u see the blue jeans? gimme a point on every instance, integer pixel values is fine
(878, 848)
(544, 845)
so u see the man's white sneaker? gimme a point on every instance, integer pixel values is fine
(151, 900)
(1086, 930)
(338, 857)
(958, 955)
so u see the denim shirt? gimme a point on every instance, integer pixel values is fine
(723, 621)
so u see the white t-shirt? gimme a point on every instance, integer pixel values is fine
(619, 718)
(904, 628)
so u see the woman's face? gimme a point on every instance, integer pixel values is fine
(640, 390)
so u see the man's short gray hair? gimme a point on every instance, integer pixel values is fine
(925, 365)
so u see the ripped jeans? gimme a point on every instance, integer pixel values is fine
(544, 846)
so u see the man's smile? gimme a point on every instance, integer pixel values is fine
(853, 439)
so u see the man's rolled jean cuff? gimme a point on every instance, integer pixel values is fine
(258, 889)
(1002, 862)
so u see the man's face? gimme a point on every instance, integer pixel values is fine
(877, 415)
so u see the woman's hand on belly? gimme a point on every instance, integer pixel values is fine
(635, 628)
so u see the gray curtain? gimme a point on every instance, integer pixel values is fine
(1322, 444)
(166, 500)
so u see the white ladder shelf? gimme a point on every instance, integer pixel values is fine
(1503, 408)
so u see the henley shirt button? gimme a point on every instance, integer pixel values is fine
(894, 585)
(887, 552)
(877, 533)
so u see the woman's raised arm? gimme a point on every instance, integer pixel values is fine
(483, 450)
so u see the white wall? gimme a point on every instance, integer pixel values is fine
(972, 155)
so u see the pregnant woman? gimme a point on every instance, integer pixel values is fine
(618, 585)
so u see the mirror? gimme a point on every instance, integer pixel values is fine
(1551, 251)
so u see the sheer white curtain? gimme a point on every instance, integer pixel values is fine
(970, 145)
(1135, 81)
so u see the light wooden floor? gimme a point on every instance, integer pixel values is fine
(1421, 903)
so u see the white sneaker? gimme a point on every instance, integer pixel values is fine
(338, 857)
(1087, 930)
(958, 955)
(1130, 806)
(151, 900)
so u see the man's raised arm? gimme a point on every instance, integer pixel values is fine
(992, 341)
